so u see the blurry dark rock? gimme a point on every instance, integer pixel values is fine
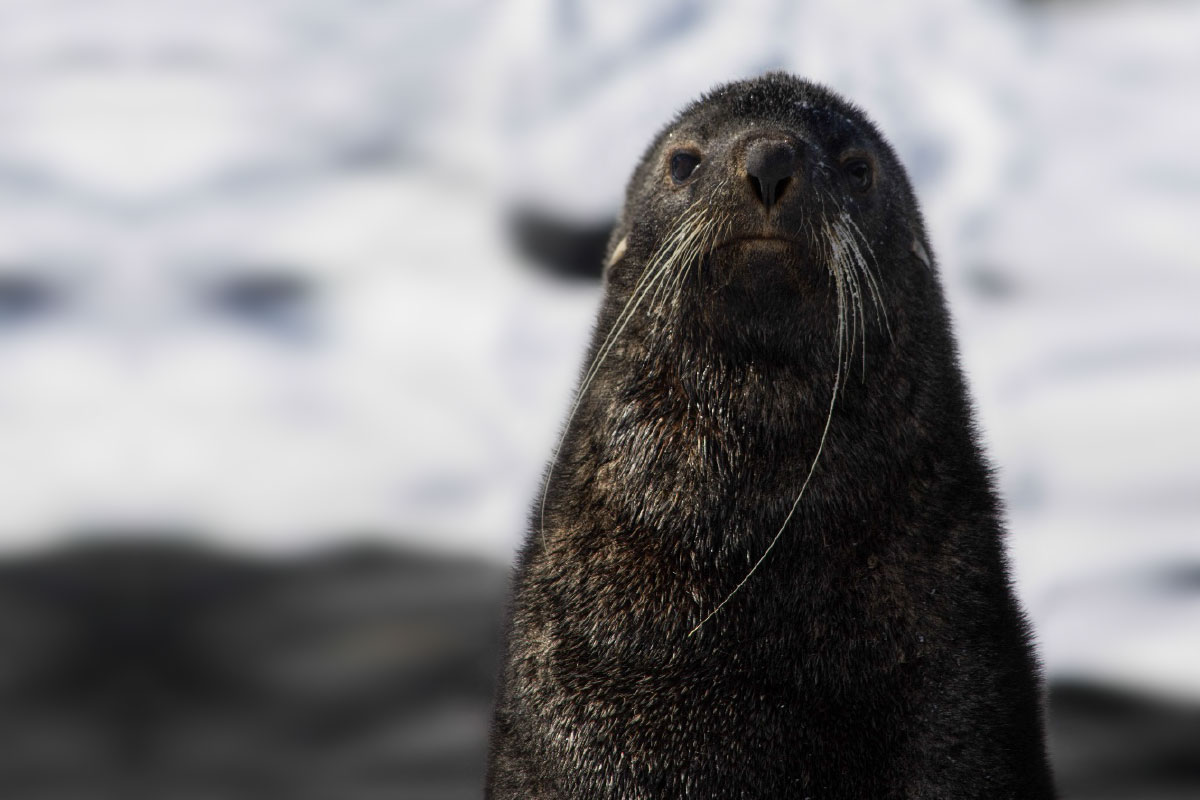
(991, 283)
(25, 295)
(158, 671)
(174, 672)
(1118, 744)
(562, 247)
(273, 299)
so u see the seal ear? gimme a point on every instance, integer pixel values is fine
(918, 250)
(618, 253)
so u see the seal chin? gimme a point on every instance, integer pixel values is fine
(763, 290)
(771, 265)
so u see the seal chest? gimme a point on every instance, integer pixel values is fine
(767, 560)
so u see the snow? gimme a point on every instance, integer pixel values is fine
(153, 154)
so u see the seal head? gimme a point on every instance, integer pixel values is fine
(778, 185)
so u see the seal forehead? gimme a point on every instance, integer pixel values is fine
(775, 98)
(772, 93)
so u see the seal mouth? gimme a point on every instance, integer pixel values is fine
(756, 240)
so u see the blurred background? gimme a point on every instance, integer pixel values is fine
(294, 293)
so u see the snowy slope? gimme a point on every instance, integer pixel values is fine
(254, 281)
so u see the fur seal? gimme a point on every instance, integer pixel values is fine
(768, 561)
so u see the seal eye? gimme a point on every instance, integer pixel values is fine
(860, 173)
(683, 164)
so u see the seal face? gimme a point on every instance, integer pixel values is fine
(767, 561)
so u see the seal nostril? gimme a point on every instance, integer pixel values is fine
(780, 187)
(771, 195)
(756, 186)
(770, 165)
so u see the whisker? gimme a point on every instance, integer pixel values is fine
(664, 260)
(795, 504)
(877, 295)
(651, 275)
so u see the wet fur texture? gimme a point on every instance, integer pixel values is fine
(670, 635)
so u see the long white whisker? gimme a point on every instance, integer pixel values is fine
(660, 265)
(837, 381)
(880, 308)
(795, 504)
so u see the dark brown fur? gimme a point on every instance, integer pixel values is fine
(670, 637)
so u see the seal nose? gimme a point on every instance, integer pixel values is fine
(770, 164)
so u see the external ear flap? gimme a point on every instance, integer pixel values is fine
(617, 254)
(920, 252)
